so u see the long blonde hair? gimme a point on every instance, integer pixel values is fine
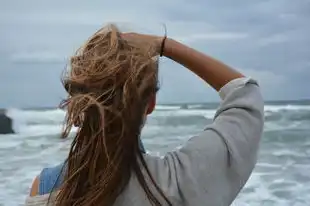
(110, 82)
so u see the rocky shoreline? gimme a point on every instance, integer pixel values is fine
(6, 123)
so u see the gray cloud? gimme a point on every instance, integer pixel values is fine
(266, 39)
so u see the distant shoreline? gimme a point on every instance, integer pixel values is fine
(267, 102)
(303, 101)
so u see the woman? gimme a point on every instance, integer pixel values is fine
(112, 85)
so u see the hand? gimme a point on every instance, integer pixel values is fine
(144, 39)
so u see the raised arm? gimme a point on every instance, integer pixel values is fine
(213, 166)
(214, 72)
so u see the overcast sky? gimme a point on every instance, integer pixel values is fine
(267, 39)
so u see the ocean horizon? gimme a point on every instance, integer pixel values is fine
(267, 102)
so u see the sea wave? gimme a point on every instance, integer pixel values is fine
(278, 108)
(41, 122)
(280, 177)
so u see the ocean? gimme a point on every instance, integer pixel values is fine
(281, 176)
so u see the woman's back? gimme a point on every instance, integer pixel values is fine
(211, 168)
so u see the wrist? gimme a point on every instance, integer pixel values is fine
(166, 49)
(162, 46)
(157, 43)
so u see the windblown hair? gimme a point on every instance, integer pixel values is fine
(110, 82)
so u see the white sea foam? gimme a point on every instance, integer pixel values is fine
(167, 107)
(277, 108)
(209, 114)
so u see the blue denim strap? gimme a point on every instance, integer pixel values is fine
(51, 178)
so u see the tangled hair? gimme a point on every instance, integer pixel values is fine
(110, 83)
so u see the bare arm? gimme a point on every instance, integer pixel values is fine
(214, 72)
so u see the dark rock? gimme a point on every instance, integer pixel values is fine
(6, 123)
(184, 106)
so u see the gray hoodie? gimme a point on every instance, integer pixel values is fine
(212, 167)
